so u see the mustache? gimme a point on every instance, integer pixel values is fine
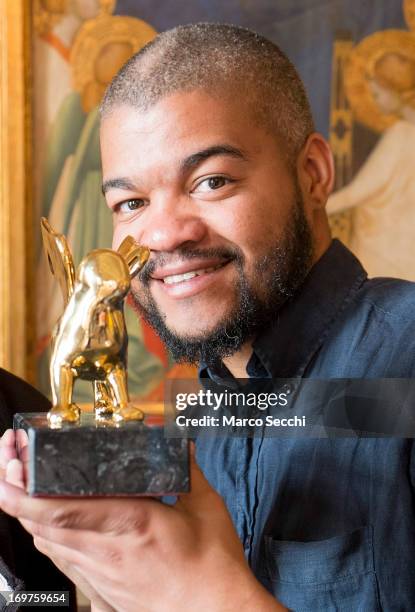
(160, 259)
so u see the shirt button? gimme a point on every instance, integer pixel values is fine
(247, 542)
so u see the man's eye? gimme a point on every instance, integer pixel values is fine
(130, 205)
(211, 183)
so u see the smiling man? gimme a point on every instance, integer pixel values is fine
(210, 159)
(200, 164)
(219, 268)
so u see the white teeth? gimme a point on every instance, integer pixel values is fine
(179, 278)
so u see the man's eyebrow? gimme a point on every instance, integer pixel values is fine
(189, 162)
(196, 158)
(117, 183)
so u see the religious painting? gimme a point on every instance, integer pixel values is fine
(358, 65)
(376, 196)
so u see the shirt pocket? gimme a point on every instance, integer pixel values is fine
(335, 575)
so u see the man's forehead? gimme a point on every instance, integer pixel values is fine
(182, 110)
(178, 126)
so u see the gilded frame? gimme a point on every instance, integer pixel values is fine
(16, 229)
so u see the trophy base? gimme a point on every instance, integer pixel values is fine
(94, 459)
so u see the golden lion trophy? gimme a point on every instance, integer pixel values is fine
(115, 450)
(90, 339)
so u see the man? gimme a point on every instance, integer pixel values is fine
(210, 158)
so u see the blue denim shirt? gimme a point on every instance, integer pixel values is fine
(327, 524)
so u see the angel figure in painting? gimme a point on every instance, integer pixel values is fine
(380, 85)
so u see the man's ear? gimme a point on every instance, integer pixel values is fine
(315, 170)
(135, 255)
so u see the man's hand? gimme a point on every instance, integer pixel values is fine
(12, 471)
(138, 554)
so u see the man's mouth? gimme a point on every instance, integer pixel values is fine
(179, 278)
(185, 279)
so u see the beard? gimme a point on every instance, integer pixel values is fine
(282, 269)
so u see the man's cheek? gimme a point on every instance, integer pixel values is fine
(121, 231)
(139, 289)
(139, 297)
(117, 237)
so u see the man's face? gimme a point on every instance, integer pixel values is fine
(208, 190)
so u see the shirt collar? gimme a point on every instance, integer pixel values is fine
(301, 325)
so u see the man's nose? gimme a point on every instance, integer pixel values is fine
(171, 223)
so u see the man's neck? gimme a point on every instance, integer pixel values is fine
(237, 362)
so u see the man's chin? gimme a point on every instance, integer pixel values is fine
(195, 321)
(190, 343)
(184, 332)
(188, 334)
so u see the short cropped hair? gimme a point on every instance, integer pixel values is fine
(220, 59)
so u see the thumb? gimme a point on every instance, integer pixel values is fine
(15, 473)
(202, 495)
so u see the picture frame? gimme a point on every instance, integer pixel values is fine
(16, 231)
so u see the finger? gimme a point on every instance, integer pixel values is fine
(8, 438)
(98, 556)
(86, 566)
(83, 585)
(90, 543)
(95, 607)
(200, 491)
(22, 445)
(7, 448)
(111, 515)
(22, 439)
(14, 473)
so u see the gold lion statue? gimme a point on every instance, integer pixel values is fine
(90, 339)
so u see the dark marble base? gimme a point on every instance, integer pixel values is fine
(96, 460)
